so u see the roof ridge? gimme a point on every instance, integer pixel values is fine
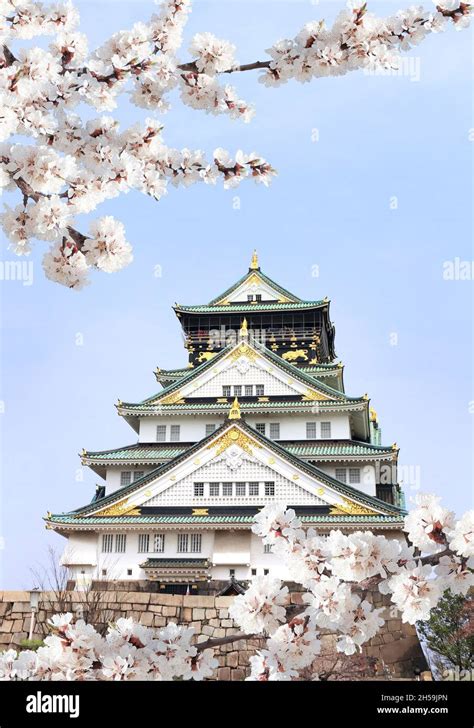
(266, 279)
(356, 495)
(266, 352)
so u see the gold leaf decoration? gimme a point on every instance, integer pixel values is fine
(234, 436)
(119, 509)
(348, 507)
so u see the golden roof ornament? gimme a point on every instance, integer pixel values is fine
(373, 415)
(254, 262)
(234, 413)
(244, 331)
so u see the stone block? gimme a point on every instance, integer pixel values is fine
(223, 613)
(5, 607)
(407, 648)
(197, 626)
(199, 601)
(169, 611)
(187, 614)
(18, 625)
(137, 597)
(159, 621)
(21, 607)
(5, 638)
(232, 659)
(224, 601)
(215, 622)
(155, 609)
(227, 623)
(223, 673)
(199, 613)
(218, 632)
(210, 613)
(237, 674)
(147, 619)
(207, 630)
(16, 596)
(19, 637)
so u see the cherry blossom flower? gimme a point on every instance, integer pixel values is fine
(107, 249)
(428, 523)
(415, 592)
(461, 537)
(87, 163)
(261, 608)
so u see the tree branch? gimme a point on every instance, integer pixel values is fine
(217, 641)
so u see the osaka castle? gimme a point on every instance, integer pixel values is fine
(258, 415)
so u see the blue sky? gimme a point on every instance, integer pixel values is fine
(67, 356)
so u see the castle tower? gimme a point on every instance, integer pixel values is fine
(259, 414)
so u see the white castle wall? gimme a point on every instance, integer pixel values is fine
(292, 427)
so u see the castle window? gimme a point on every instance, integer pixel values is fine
(214, 489)
(249, 390)
(240, 489)
(267, 548)
(237, 390)
(138, 474)
(261, 427)
(253, 488)
(269, 488)
(266, 571)
(143, 543)
(196, 543)
(325, 429)
(104, 572)
(120, 543)
(258, 296)
(249, 297)
(183, 543)
(175, 431)
(226, 390)
(198, 489)
(227, 489)
(254, 572)
(107, 543)
(210, 429)
(354, 475)
(259, 390)
(129, 572)
(275, 430)
(311, 430)
(161, 433)
(231, 573)
(125, 477)
(159, 543)
(341, 475)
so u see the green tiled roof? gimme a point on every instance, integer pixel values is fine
(264, 277)
(268, 354)
(339, 449)
(157, 452)
(156, 519)
(245, 307)
(170, 563)
(147, 453)
(174, 372)
(246, 407)
(306, 467)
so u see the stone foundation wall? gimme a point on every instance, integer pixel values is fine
(394, 653)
